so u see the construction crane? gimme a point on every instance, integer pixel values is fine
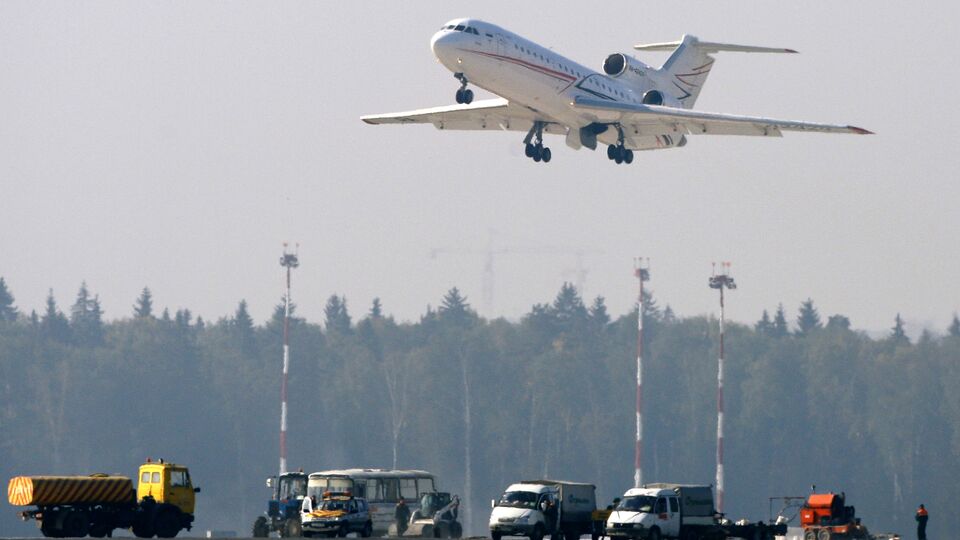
(492, 251)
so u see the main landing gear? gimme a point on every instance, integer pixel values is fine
(464, 95)
(618, 152)
(536, 150)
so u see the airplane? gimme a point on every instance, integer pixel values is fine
(630, 106)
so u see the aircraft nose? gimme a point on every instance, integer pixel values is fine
(442, 44)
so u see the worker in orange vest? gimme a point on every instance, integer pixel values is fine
(922, 518)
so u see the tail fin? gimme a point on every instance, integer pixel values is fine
(687, 68)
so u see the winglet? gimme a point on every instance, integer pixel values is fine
(860, 130)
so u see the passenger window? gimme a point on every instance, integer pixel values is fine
(408, 489)
(178, 478)
(155, 478)
(145, 478)
(661, 506)
(674, 505)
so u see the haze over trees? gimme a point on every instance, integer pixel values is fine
(483, 403)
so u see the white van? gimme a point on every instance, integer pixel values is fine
(656, 511)
(535, 508)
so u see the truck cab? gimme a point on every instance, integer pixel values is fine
(646, 513)
(167, 483)
(523, 510)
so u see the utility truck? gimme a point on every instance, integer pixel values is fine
(535, 508)
(657, 511)
(75, 506)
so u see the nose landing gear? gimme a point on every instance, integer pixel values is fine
(464, 95)
(618, 153)
(536, 150)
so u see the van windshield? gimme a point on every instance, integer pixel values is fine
(637, 503)
(518, 499)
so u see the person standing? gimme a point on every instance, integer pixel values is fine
(922, 517)
(402, 516)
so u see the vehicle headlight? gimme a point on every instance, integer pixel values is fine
(525, 518)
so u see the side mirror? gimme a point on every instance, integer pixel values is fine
(270, 482)
(196, 490)
(493, 503)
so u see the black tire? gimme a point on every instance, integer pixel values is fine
(628, 156)
(49, 529)
(260, 528)
(809, 534)
(611, 152)
(468, 96)
(292, 528)
(142, 529)
(537, 533)
(824, 534)
(547, 155)
(459, 96)
(166, 523)
(495, 536)
(367, 531)
(343, 530)
(654, 534)
(456, 530)
(528, 150)
(75, 524)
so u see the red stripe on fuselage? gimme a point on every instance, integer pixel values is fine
(535, 67)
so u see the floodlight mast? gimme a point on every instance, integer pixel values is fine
(641, 270)
(288, 261)
(720, 281)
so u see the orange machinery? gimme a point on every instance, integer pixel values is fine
(825, 516)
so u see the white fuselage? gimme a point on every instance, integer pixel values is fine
(524, 72)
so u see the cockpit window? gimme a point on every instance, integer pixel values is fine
(449, 27)
(459, 28)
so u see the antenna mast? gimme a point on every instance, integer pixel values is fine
(288, 261)
(720, 281)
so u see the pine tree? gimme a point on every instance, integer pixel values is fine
(455, 308)
(897, 334)
(86, 318)
(337, 317)
(598, 312)
(144, 306)
(376, 309)
(7, 311)
(954, 329)
(764, 326)
(780, 323)
(568, 306)
(242, 322)
(808, 319)
(54, 325)
(668, 315)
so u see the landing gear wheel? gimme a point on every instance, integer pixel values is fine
(460, 95)
(538, 152)
(260, 528)
(628, 156)
(529, 150)
(546, 155)
(611, 152)
(468, 96)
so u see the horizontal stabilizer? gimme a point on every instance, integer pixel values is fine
(710, 47)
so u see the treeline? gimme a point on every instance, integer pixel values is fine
(483, 403)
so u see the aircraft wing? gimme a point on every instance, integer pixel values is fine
(656, 119)
(493, 114)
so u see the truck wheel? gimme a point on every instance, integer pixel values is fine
(75, 524)
(49, 529)
(496, 536)
(824, 534)
(292, 528)
(456, 530)
(654, 534)
(167, 522)
(343, 530)
(537, 532)
(99, 529)
(809, 535)
(260, 528)
(367, 531)
(141, 529)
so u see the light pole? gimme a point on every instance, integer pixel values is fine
(720, 281)
(641, 270)
(288, 261)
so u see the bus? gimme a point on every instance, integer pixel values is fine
(381, 487)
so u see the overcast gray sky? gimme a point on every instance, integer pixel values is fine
(178, 144)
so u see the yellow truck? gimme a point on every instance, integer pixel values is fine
(95, 505)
